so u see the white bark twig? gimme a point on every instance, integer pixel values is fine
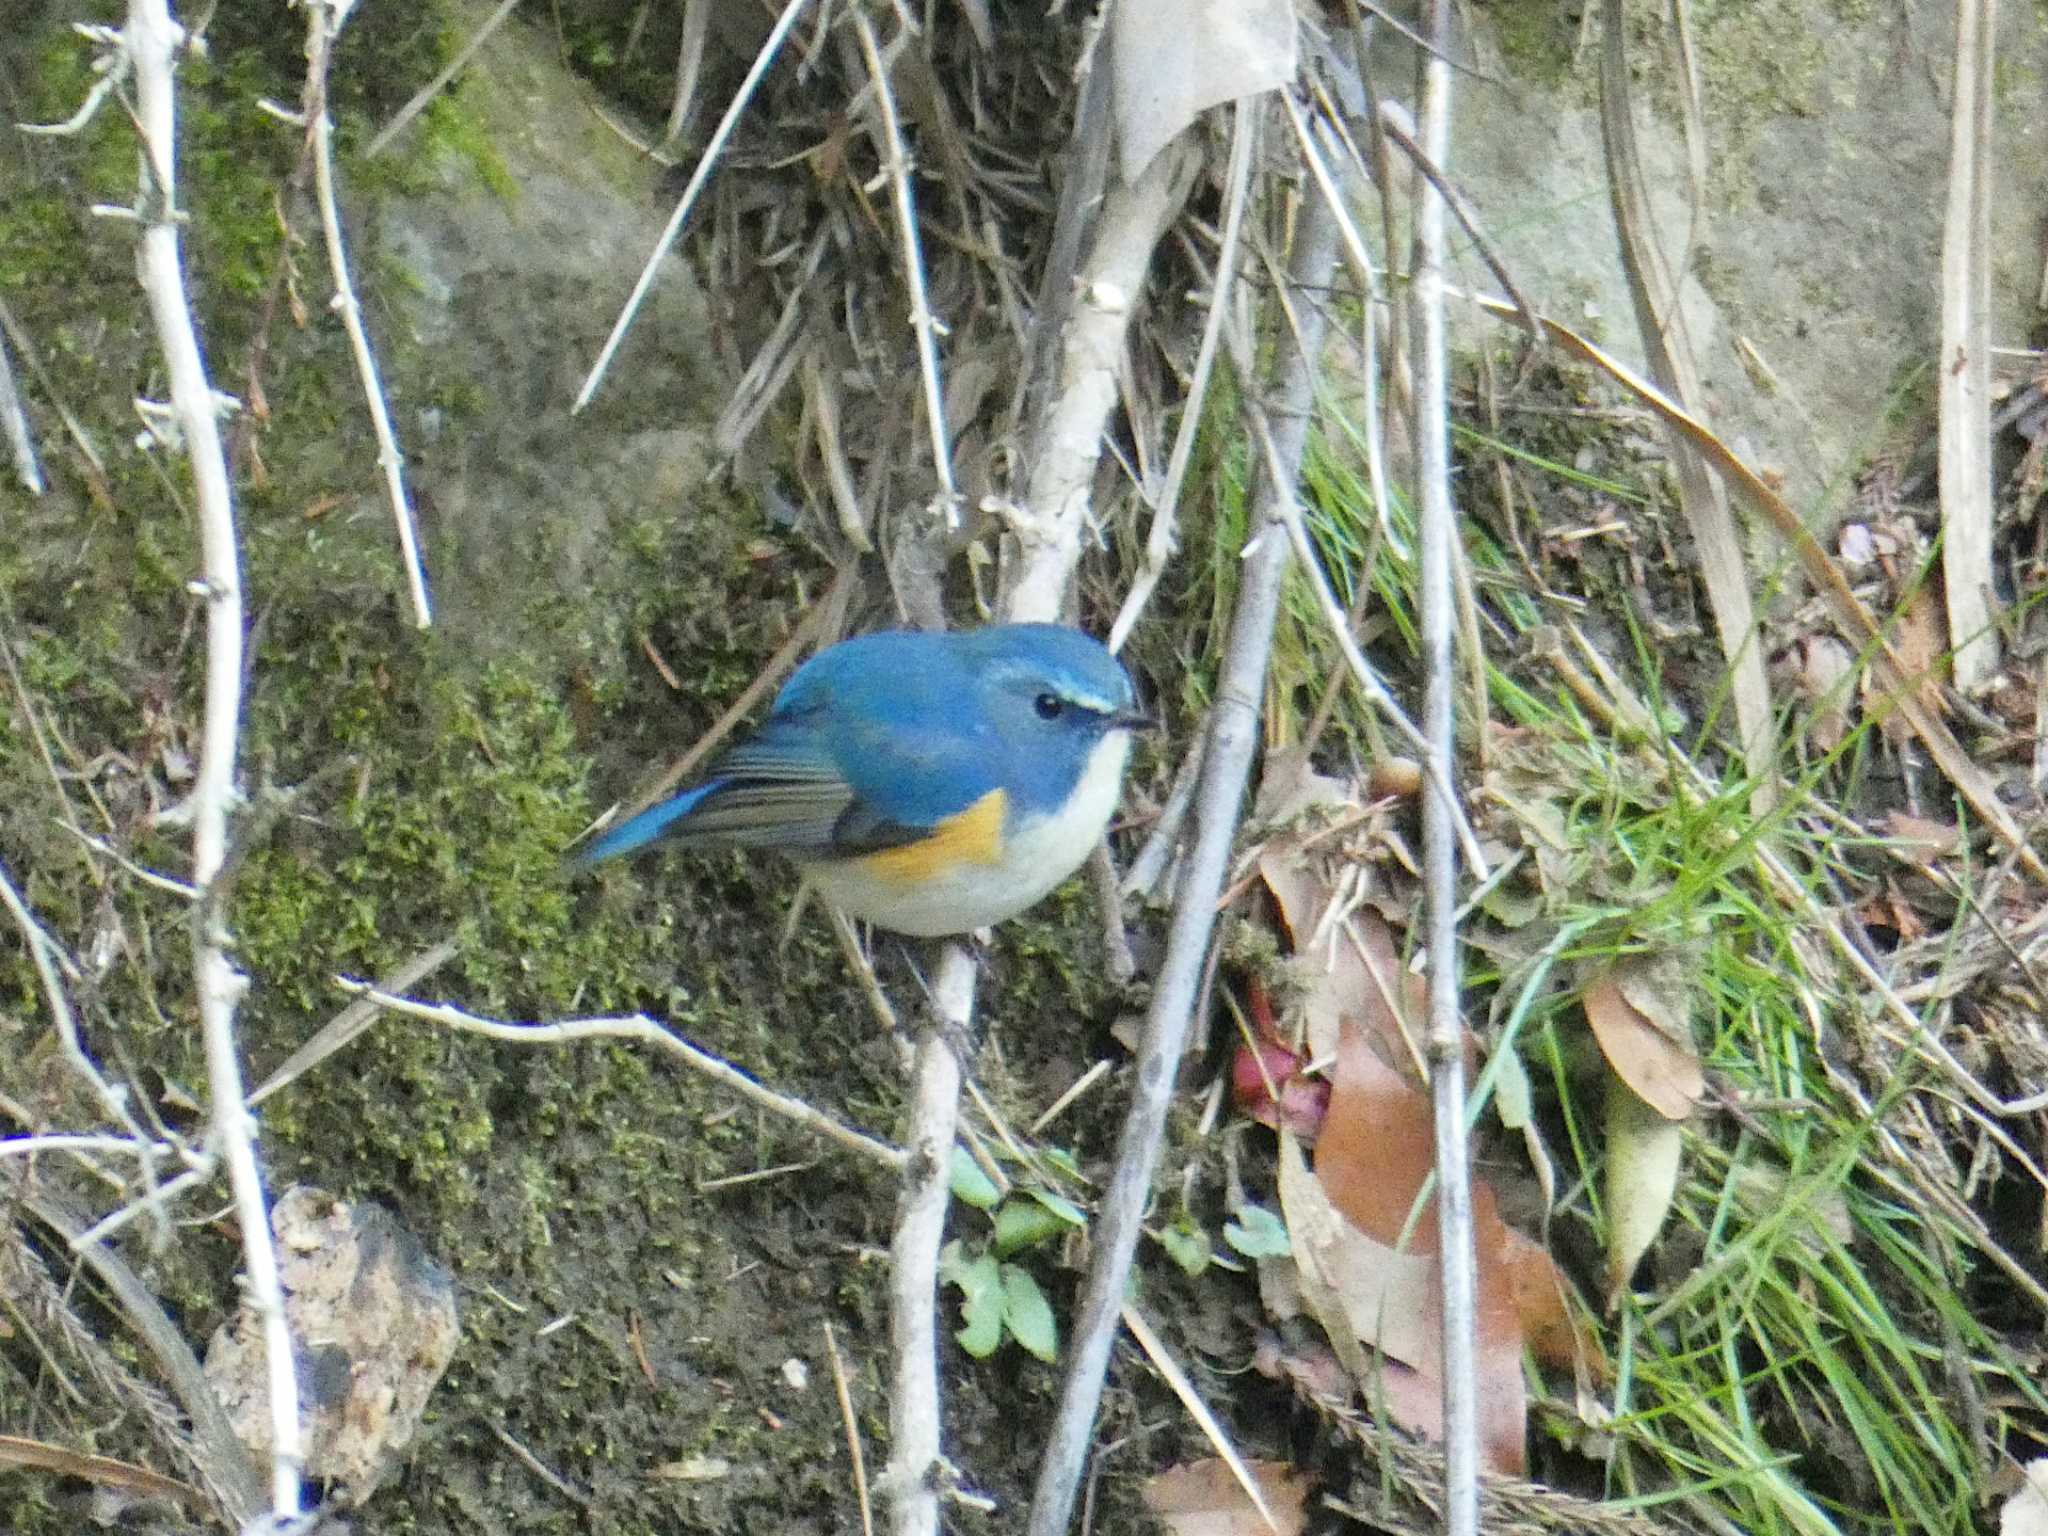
(635, 1026)
(911, 1483)
(1233, 739)
(791, 14)
(1164, 532)
(1067, 443)
(898, 169)
(151, 40)
(1446, 1033)
(19, 438)
(324, 21)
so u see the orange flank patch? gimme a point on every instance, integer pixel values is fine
(974, 836)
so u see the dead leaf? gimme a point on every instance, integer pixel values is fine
(1347, 968)
(1174, 59)
(1919, 642)
(1372, 1160)
(1919, 839)
(1824, 663)
(1640, 1013)
(1543, 1307)
(1202, 1498)
(1643, 1152)
(1358, 1288)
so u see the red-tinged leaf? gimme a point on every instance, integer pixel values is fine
(1268, 1085)
(1643, 1044)
(1203, 1498)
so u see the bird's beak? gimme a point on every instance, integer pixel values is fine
(1132, 720)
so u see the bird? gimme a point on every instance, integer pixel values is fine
(927, 783)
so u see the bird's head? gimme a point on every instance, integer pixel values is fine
(1052, 697)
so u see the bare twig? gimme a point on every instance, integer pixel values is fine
(1233, 738)
(843, 1392)
(1437, 532)
(1164, 532)
(792, 12)
(348, 1024)
(1668, 350)
(637, 1026)
(324, 21)
(217, 1453)
(689, 67)
(151, 40)
(19, 438)
(1191, 1399)
(434, 87)
(1964, 366)
(45, 955)
(1067, 443)
(910, 1483)
(897, 167)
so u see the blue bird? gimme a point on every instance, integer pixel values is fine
(926, 783)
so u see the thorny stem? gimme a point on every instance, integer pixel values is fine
(151, 40)
(324, 20)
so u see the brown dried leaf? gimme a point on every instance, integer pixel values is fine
(1373, 1159)
(1824, 662)
(1347, 969)
(1202, 1498)
(1920, 839)
(1643, 1025)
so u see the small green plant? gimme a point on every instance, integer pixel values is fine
(999, 1296)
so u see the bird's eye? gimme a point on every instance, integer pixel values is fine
(1049, 706)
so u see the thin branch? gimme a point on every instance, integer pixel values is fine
(19, 437)
(45, 954)
(343, 1029)
(910, 1482)
(1233, 739)
(791, 14)
(1067, 442)
(1446, 1035)
(637, 1026)
(1967, 508)
(1164, 532)
(218, 1454)
(152, 39)
(324, 21)
(897, 166)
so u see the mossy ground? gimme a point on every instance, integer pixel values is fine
(434, 780)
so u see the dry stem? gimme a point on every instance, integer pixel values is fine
(150, 41)
(324, 21)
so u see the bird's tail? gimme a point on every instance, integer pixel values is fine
(638, 831)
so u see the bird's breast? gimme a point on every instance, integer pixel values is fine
(983, 864)
(970, 837)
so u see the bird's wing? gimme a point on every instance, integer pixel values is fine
(816, 785)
